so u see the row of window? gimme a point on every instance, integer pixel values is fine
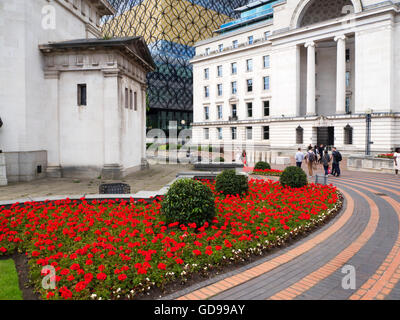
(235, 43)
(130, 99)
(234, 87)
(233, 111)
(233, 131)
(234, 70)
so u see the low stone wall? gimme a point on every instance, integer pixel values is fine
(25, 166)
(370, 164)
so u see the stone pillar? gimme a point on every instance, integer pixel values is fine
(112, 168)
(3, 172)
(143, 110)
(52, 79)
(341, 75)
(310, 78)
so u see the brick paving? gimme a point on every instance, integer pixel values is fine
(366, 236)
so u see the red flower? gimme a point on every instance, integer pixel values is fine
(101, 276)
(122, 277)
(197, 252)
(81, 285)
(161, 266)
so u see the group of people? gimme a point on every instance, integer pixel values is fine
(320, 155)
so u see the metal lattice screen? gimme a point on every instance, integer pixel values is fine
(170, 28)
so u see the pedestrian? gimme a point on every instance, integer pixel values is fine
(325, 160)
(299, 157)
(336, 158)
(244, 158)
(396, 157)
(321, 152)
(310, 158)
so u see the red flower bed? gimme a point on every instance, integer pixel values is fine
(386, 156)
(116, 249)
(267, 172)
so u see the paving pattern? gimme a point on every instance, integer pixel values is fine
(364, 237)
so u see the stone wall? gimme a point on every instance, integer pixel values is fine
(370, 164)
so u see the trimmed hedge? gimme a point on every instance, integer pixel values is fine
(262, 165)
(188, 201)
(230, 183)
(293, 177)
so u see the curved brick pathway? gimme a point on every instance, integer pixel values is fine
(365, 235)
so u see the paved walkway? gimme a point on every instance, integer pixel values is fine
(365, 236)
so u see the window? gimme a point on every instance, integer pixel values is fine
(266, 133)
(235, 44)
(347, 55)
(135, 105)
(219, 133)
(126, 98)
(249, 65)
(219, 111)
(221, 48)
(251, 39)
(234, 68)
(206, 92)
(234, 133)
(130, 99)
(207, 51)
(249, 85)
(299, 135)
(234, 111)
(266, 108)
(234, 87)
(219, 71)
(348, 134)
(219, 89)
(249, 109)
(206, 113)
(249, 133)
(266, 62)
(266, 83)
(206, 74)
(206, 133)
(82, 95)
(347, 79)
(266, 35)
(348, 105)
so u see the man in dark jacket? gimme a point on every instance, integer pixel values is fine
(336, 158)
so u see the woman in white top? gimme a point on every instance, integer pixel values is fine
(396, 157)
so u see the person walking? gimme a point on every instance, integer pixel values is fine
(244, 158)
(336, 158)
(325, 160)
(310, 159)
(299, 157)
(321, 152)
(396, 157)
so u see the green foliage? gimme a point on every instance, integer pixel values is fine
(188, 201)
(219, 159)
(262, 165)
(9, 288)
(293, 177)
(228, 182)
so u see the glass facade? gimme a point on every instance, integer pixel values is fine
(170, 28)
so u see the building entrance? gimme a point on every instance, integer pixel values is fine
(326, 136)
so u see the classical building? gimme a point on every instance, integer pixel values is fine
(72, 104)
(292, 73)
(170, 28)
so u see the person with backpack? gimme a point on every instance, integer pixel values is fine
(325, 160)
(336, 158)
(310, 159)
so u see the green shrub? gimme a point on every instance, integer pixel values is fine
(293, 177)
(219, 159)
(228, 182)
(262, 165)
(188, 201)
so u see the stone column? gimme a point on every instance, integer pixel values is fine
(52, 79)
(3, 171)
(143, 110)
(341, 75)
(112, 168)
(310, 78)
